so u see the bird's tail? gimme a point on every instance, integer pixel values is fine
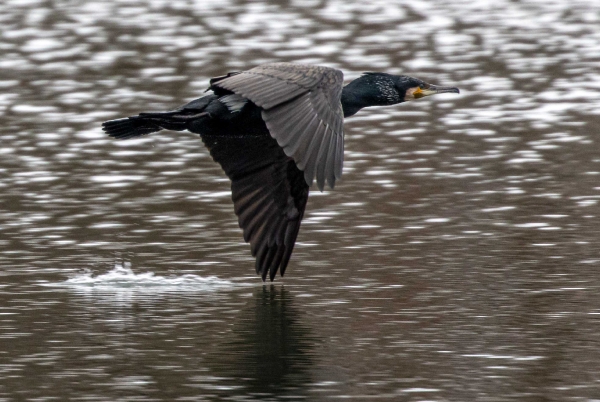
(146, 123)
(129, 127)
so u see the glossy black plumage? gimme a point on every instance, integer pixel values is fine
(273, 129)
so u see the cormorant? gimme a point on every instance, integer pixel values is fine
(273, 129)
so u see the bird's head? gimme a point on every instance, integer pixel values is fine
(381, 89)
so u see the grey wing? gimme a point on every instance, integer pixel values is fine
(302, 110)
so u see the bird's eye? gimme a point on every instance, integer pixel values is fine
(422, 86)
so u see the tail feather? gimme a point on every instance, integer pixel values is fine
(130, 127)
(147, 123)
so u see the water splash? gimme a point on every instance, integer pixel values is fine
(122, 278)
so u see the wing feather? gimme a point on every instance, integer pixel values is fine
(339, 157)
(329, 171)
(312, 151)
(321, 164)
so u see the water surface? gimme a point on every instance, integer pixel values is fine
(457, 260)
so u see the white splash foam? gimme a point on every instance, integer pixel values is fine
(122, 278)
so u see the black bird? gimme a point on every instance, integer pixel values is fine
(273, 129)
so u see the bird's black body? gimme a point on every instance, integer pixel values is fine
(273, 129)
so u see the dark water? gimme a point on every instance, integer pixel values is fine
(457, 260)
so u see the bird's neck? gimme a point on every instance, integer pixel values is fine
(368, 90)
(351, 99)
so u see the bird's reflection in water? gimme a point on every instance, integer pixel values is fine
(270, 354)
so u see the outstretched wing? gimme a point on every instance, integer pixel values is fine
(302, 110)
(269, 196)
